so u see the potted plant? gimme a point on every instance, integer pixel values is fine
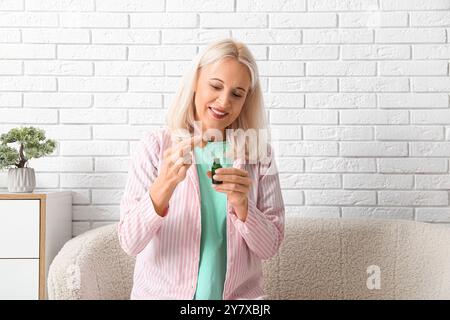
(31, 144)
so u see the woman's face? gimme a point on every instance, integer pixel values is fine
(220, 93)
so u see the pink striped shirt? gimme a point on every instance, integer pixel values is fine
(167, 249)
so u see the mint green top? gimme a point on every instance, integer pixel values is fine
(213, 244)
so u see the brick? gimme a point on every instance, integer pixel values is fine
(435, 181)
(27, 51)
(410, 35)
(121, 132)
(413, 100)
(92, 116)
(430, 116)
(281, 36)
(413, 68)
(303, 116)
(373, 19)
(128, 68)
(267, 6)
(28, 19)
(431, 84)
(304, 52)
(10, 99)
(233, 20)
(373, 149)
(377, 181)
(59, 5)
(112, 164)
(298, 84)
(163, 20)
(92, 148)
(338, 36)
(430, 149)
(374, 116)
(94, 20)
(178, 36)
(127, 100)
(60, 68)
(412, 165)
(430, 51)
(284, 100)
(378, 84)
(290, 164)
(339, 197)
(430, 19)
(375, 52)
(413, 198)
(310, 181)
(409, 133)
(55, 36)
(129, 5)
(91, 52)
(338, 133)
(36, 116)
(354, 5)
(107, 196)
(307, 148)
(341, 165)
(124, 36)
(415, 4)
(162, 53)
(378, 213)
(95, 212)
(303, 20)
(340, 100)
(433, 214)
(10, 67)
(27, 84)
(200, 6)
(281, 68)
(292, 197)
(57, 100)
(340, 68)
(97, 84)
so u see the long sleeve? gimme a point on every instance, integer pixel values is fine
(263, 229)
(139, 221)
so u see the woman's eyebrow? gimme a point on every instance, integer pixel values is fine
(222, 82)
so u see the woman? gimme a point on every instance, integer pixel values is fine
(194, 239)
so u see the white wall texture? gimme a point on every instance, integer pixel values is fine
(357, 91)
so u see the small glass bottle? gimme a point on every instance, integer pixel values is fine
(216, 165)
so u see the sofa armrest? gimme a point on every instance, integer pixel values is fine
(91, 266)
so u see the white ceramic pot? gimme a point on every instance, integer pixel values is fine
(21, 180)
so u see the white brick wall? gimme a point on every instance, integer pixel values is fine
(357, 93)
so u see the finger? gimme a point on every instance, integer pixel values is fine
(183, 170)
(209, 174)
(167, 153)
(192, 142)
(230, 187)
(186, 146)
(232, 170)
(233, 178)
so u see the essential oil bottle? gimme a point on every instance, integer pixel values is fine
(216, 165)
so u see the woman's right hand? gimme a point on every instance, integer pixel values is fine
(176, 161)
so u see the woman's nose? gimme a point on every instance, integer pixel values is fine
(224, 100)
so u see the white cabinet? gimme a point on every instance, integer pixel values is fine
(33, 228)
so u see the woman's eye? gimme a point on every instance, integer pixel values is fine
(215, 87)
(236, 95)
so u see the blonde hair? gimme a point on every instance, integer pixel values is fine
(252, 116)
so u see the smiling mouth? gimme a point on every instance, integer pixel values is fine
(217, 114)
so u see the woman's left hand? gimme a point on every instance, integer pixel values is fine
(236, 184)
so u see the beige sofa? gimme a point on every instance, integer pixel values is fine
(319, 259)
